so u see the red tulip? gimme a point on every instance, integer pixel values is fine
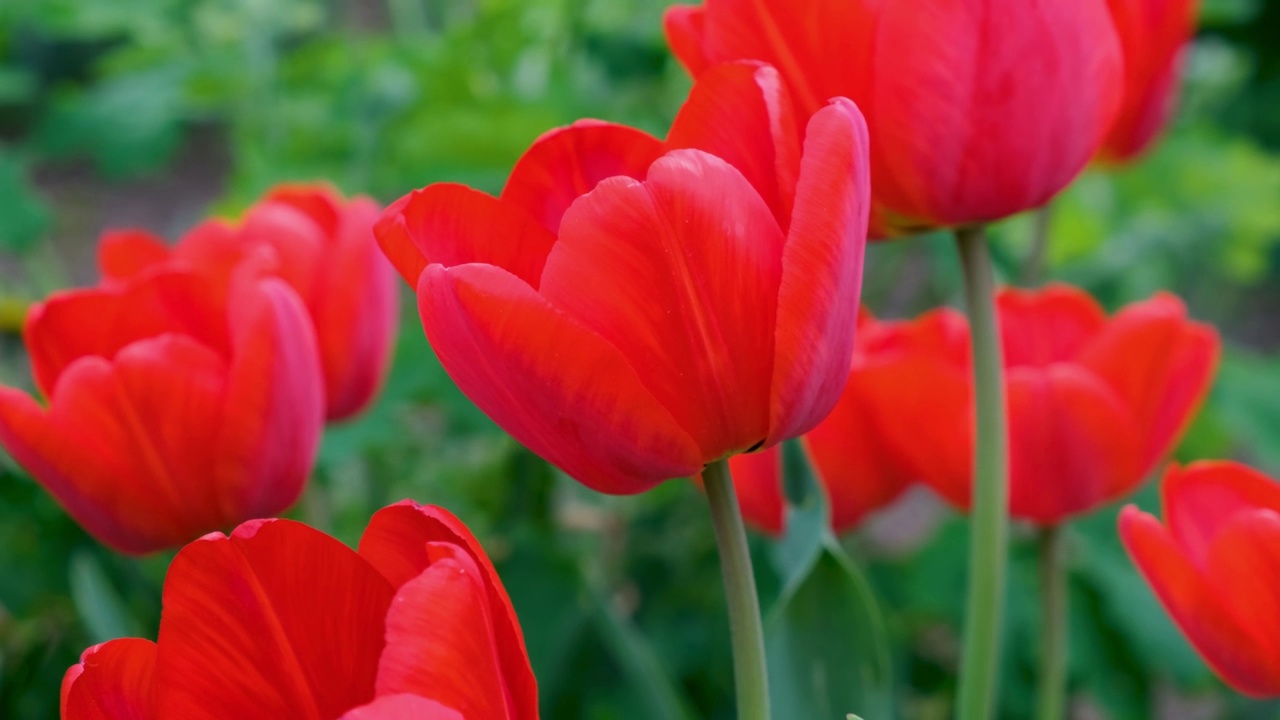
(171, 412)
(631, 312)
(977, 109)
(1153, 34)
(859, 468)
(1215, 565)
(323, 247)
(1094, 403)
(280, 620)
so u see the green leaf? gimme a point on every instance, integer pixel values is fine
(99, 606)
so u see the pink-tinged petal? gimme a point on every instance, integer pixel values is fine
(356, 312)
(398, 543)
(685, 27)
(111, 682)
(557, 387)
(403, 707)
(450, 224)
(1200, 500)
(1052, 324)
(569, 162)
(821, 272)
(1072, 444)
(277, 620)
(99, 322)
(299, 243)
(274, 404)
(1244, 571)
(741, 113)
(1160, 364)
(680, 274)
(125, 254)
(125, 446)
(319, 201)
(982, 110)
(1197, 607)
(757, 477)
(441, 644)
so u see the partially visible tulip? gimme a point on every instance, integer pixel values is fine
(1095, 403)
(632, 312)
(323, 246)
(859, 469)
(1215, 565)
(977, 109)
(1153, 34)
(279, 620)
(172, 410)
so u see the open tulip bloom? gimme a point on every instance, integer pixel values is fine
(1215, 565)
(278, 620)
(174, 408)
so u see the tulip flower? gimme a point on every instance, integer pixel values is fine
(280, 620)
(856, 464)
(1153, 34)
(1094, 403)
(632, 312)
(171, 412)
(1215, 565)
(977, 109)
(324, 248)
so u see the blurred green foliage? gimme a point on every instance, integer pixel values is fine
(620, 598)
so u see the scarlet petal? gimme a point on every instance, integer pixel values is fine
(397, 244)
(821, 272)
(741, 113)
(1201, 499)
(680, 274)
(685, 26)
(403, 707)
(557, 387)
(568, 162)
(397, 542)
(111, 682)
(274, 408)
(318, 201)
(1160, 364)
(1197, 606)
(1052, 324)
(1244, 569)
(757, 477)
(277, 620)
(441, 644)
(1073, 445)
(124, 254)
(452, 224)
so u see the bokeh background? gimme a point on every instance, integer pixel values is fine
(156, 113)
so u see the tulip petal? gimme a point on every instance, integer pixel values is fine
(1195, 606)
(680, 274)
(1201, 499)
(1052, 324)
(397, 542)
(1072, 444)
(821, 272)
(319, 201)
(1244, 569)
(741, 113)
(452, 224)
(440, 640)
(125, 254)
(757, 477)
(569, 162)
(1160, 364)
(403, 707)
(396, 243)
(111, 682)
(557, 387)
(685, 28)
(277, 620)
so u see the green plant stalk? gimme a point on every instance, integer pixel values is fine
(1033, 270)
(1051, 701)
(750, 675)
(988, 551)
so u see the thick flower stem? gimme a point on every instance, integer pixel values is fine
(988, 552)
(747, 634)
(1052, 699)
(1033, 270)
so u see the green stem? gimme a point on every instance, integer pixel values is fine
(1052, 701)
(1034, 268)
(749, 672)
(988, 553)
